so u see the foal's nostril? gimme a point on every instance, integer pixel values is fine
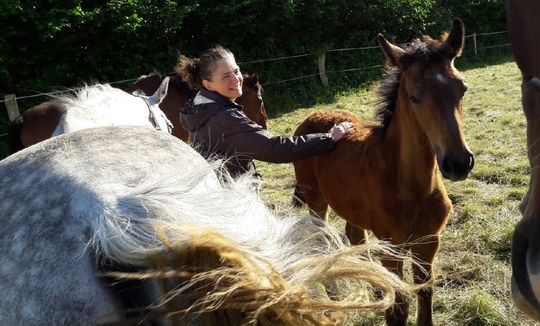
(471, 162)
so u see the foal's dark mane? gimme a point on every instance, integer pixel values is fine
(424, 49)
(388, 90)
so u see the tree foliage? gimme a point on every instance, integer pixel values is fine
(54, 43)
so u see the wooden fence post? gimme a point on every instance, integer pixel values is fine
(475, 48)
(322, 69)
(11, 106)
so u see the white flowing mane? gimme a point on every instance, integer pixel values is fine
(101, 105)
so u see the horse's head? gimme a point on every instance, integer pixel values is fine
(431, 90)
(173, 94)
(252, 100)
(178, 93)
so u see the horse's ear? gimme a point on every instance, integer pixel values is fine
(250, 80)
(456, 38)
(161, 92)
(391, 52)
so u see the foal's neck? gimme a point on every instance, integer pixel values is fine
(416, 162)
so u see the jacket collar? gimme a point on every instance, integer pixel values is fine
(219, 98)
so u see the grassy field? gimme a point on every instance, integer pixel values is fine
(473, 267)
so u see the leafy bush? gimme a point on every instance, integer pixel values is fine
(51, 44)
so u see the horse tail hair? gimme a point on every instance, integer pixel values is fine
(236, 257)
(231, 254)
(297, 199)
(14, 135)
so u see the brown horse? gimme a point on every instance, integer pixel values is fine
(38, 123)
(524, 32)
(385, 178)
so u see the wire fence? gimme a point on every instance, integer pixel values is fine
(320, 74)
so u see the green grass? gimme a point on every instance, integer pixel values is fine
(473, 266)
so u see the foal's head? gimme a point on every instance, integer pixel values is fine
(432, 90)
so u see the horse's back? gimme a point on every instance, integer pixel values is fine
(39, 122)
(43, 250)
(322, 121)
(101, 105)
(319, 177)
(56, 198)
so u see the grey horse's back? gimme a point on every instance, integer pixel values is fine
(135, 199)
(53, 196)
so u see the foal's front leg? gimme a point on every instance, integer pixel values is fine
(398, 313)
(355, 234)
(424, 252)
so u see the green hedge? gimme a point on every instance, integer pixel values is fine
(51, 44)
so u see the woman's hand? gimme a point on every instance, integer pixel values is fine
(338, 131)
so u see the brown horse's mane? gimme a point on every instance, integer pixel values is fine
(181, 84)
(423, 49)
(388, 89)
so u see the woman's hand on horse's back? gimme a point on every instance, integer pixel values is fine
(338, 131)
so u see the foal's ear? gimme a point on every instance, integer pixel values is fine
(391, 52)
(456, 38)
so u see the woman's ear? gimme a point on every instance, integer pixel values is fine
(207, 84)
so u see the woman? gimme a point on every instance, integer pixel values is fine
(218, 127)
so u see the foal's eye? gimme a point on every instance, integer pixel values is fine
(414, 99)
(465, 87)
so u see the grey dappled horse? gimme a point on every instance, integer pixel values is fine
(144, 204)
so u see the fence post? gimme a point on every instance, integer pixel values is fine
(322, 69)
(475, 48)
(11, 106)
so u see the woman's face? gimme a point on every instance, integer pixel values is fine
(226, 80)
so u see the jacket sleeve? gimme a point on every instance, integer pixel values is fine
(244, 137)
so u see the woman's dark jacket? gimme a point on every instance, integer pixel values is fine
(219, 128)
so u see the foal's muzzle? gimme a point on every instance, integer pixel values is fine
(457, 169)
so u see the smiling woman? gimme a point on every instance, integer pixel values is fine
(227, 79)
(218, 126)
